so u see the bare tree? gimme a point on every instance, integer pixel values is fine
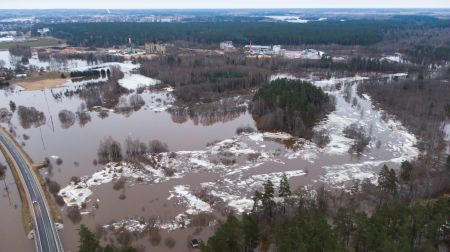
(30, 116)
(156, 146)
(67, 118)
(109, 150)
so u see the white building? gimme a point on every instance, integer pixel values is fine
(264, 50)
(226, 45)
(304, 54)
(8, 33)
(6, 39)
(258, 49)
(43, 31)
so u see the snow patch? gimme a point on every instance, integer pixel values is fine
(135, 81)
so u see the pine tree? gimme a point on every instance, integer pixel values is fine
(228, 238)
(344, 224)
(405, 171)
(251, 232)
(387, 180)
(284, 191)
(88, 242)
(256, 200)
(12, 106)
(267, 198)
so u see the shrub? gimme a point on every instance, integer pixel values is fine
(357, 133)
(170, 242)
(59, 200)
(53, 187)
(244, 129)
(321, 138)
(73, 213)
(75, 180)
(119, 184)
(156, 146)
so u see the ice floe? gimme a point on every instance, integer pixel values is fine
(134, 81)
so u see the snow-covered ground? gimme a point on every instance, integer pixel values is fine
(290, 19)
(134, 81)
(294, 19)
(397, 57)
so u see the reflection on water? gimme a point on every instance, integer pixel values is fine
(11, 231)
(29, 116)
(44, 63)
(222, 111)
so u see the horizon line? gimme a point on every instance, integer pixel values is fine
(243, 8)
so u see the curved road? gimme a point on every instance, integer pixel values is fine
(46, 236)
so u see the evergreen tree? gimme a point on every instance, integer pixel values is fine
(405, 171)
(88, 242)
(284, 191)
(251, 232)
(306, 232)
(344, 225)
(12, 106)
(387, 180)
(268, 202)
(256, 200)
(228, 238)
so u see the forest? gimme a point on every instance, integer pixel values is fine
(290, 105)
(352, 32)
(281, 222)
(110, 34)
(199, 78)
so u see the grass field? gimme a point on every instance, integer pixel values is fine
(47, 41)
(41, 81)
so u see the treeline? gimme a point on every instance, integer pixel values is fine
(353, 32)
(353, 65)
(21, 51)
(392, 227)
(290, 105)
(110, 150)
(110, 34)
(308, 222)
(429, 54)
(87, 73)
(90, 58)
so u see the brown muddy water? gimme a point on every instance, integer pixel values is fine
(201, 142)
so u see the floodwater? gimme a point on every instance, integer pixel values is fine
(11, 231)
(10, 61)
(201, 141)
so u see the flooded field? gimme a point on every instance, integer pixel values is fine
(209, 170)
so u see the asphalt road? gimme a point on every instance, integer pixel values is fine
(45, 233)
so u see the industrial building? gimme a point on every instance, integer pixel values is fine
(155, 48)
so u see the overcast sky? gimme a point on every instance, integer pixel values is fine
(193, 4)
